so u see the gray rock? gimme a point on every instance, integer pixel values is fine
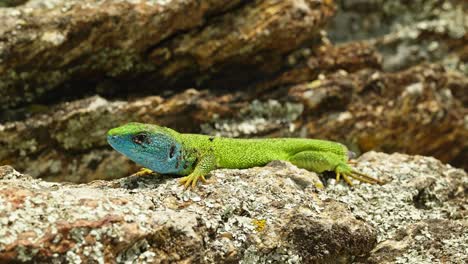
(273, 214)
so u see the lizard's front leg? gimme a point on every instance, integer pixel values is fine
(143, 172)
(205, 164)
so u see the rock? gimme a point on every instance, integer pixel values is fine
(419, 214)
(257, 215)
(406, 32)
(9, 3)
(67, 141)
(336, 92)
(55, 50)
(71, 70)
(415, 111)
(425, 241)
(324, 59)
(260, 213)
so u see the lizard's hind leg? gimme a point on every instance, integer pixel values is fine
(346, 171)
(319, 161)
(315, 161)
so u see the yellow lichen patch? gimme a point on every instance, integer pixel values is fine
(318, 185)
(314, 84)
(259, 224)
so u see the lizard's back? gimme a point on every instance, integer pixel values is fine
(245, 153)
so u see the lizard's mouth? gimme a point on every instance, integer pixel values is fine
(113, 140)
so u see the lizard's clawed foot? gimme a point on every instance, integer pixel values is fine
(191, 180)
(143, 172)
(358, 176)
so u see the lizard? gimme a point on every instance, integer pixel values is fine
(166, 151)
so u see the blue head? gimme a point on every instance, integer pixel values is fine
(151, 146)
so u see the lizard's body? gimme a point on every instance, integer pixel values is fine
(166, 151)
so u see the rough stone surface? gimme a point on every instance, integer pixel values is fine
(428, 241)
(421, 110)
(154, 219)
(258, 215)
(59, 49)
(407, 32)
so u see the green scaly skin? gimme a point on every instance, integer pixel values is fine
(164, 150)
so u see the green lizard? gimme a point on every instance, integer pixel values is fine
(166, 151)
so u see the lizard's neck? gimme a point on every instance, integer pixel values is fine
(166, 158)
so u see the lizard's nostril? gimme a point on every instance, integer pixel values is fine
(112, 138)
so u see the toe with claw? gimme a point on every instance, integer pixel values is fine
(191, 180)
(347, 173)
(143, 172)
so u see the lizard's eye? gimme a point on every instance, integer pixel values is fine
(140, 138)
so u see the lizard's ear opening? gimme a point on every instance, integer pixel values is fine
(141, 138)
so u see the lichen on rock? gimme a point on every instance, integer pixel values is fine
(151, 217)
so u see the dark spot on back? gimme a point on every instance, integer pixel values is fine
(177, 162)
(185, 165)
(171, 151)
(211, 139)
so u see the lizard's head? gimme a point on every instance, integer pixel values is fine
(151, 146)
